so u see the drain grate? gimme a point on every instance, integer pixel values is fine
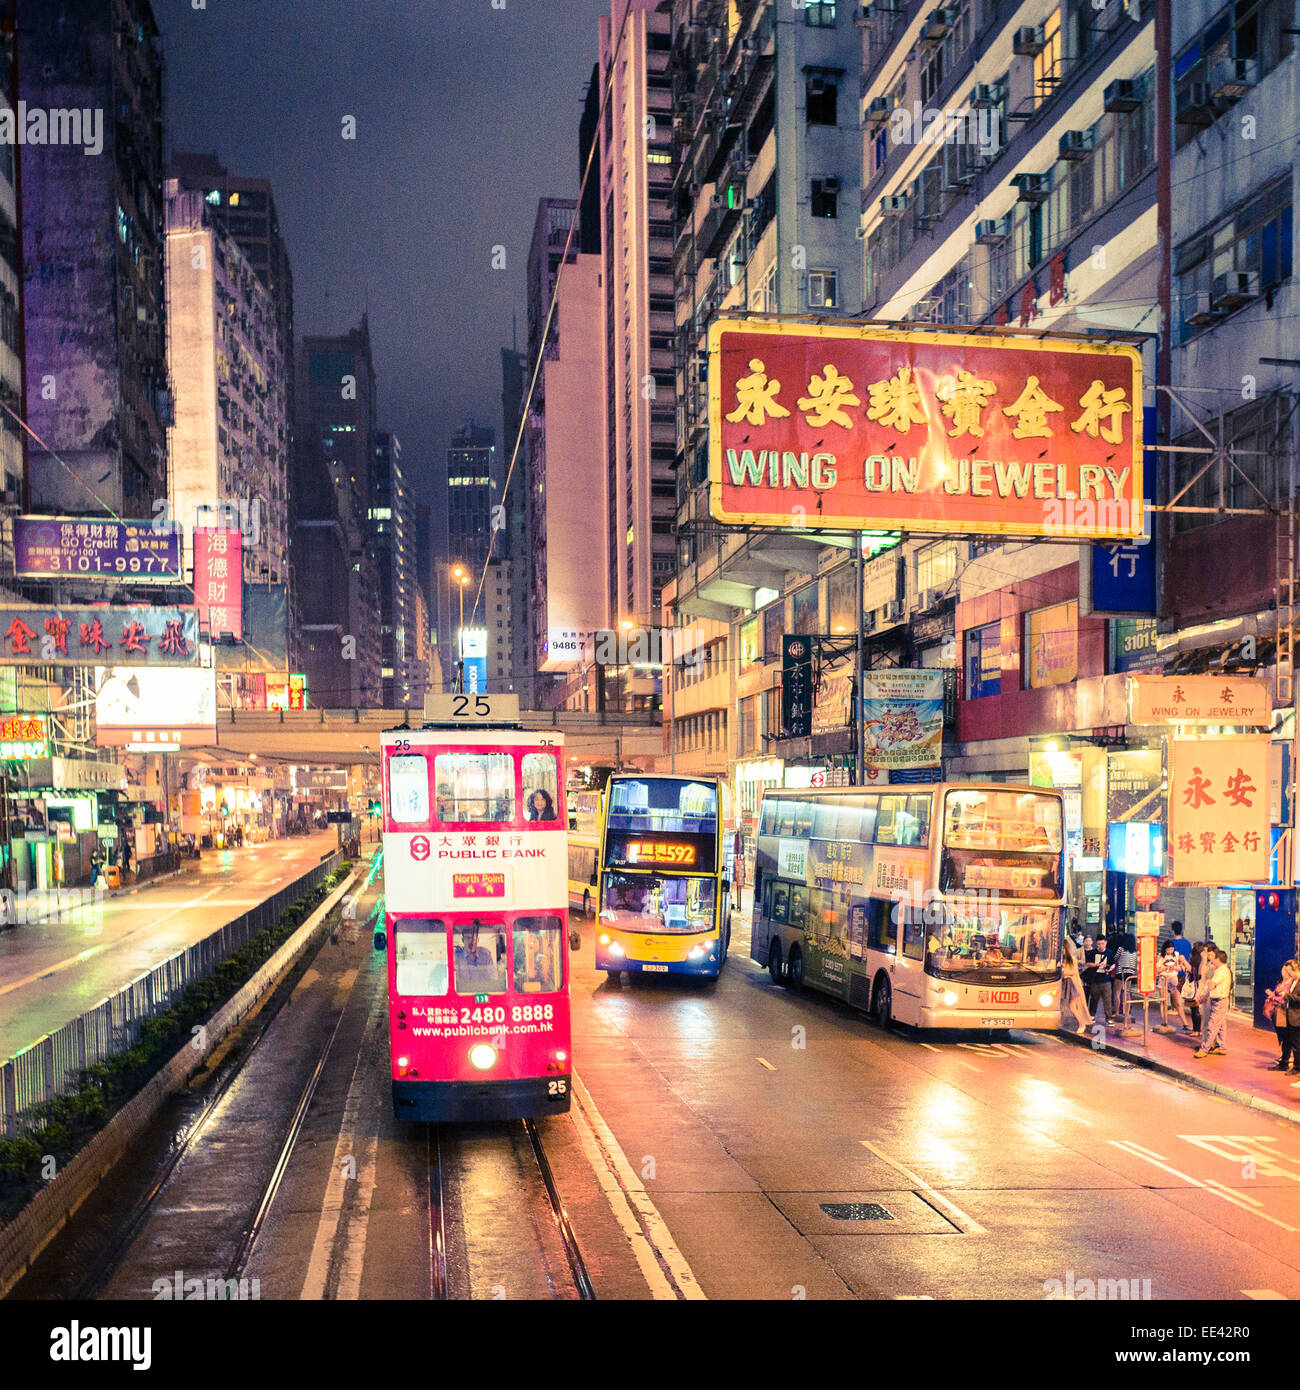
(856, 1211)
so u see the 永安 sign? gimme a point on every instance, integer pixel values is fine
(1200, 700)
(1218, 810)
(50, 546)
(138, 635)
(852, 426)
(902, 718)
(219, 580)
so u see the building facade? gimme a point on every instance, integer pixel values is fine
(92, 229)
(392, 540)
(228, 443)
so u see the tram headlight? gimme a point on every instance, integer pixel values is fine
(403, 1063)
(483, 1056)
(950, 999)
(1045, 999)
(561, 1056)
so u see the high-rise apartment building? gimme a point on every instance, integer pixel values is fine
(334, 461)
(767, 178)
(228, 443)
(512, 542)
(392, 539)
(92, 229)
(636, 190)
(565, 436)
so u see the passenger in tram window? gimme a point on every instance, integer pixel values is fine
(540, 806)
(469, 952)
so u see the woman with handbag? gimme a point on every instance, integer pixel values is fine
(1275, 1009)
(1173, 972)
(1191, 987)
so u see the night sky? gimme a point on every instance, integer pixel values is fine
(465, 116)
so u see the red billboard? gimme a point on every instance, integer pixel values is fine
(856, 427)
(219, 579)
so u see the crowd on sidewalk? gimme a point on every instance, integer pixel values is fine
(1193, 981)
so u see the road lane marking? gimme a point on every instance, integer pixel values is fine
(82, 956)
(763, 1062)
(327, 1230)
(959, 1218)
(1264, 1294)
(1217, 1189)
(661, 1263)
(931, 1047)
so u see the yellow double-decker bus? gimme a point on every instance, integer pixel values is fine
(664, 903)
(584, 849)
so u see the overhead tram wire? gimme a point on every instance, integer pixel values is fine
(555, 291)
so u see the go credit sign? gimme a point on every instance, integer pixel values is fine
(854, 427)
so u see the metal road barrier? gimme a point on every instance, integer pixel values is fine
(52, 1065)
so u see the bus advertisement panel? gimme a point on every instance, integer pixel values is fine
(940, 909)
(665, 876)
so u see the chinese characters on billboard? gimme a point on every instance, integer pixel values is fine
(219, 580)
(137, 635)
(846, 426)
(47, 546)
(1218, 809)
(903, 718)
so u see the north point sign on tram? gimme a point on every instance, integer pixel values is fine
(857, 427)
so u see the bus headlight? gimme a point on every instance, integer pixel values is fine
(615, 949)
(950, 999)
(1045, 999)
(695, 952)
(604, 939)
(483, 1056)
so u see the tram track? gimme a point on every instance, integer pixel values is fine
(449, 1168)
(112, 1254)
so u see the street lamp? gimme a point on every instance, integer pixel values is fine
(461, 575)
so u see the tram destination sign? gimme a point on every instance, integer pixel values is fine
(96, 548)
(851, 426)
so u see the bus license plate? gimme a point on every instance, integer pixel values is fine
(997, 1022)
(649, 966)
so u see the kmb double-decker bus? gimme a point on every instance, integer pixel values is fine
(476, 912)
(665, 875)
(940, 908)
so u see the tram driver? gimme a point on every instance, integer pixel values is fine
(477, 969)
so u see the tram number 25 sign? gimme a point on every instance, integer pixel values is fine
(849, 426)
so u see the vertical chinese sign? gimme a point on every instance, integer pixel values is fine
(219, 580)
(1218, 809)
(796, 686)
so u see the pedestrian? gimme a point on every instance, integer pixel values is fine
(1073, 984)
(1095, 978)
(1275, 1008)
(1191, 990)
(1126, 964)
(1216, 989)
(1173, 973)
(1180, 943)
(126, 855)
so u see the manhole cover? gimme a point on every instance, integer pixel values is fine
(856, 1211)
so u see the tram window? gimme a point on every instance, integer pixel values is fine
(480, 959)
(421, 948)
(475, 787)
(541, 786)
(539, 964)
(408, 789)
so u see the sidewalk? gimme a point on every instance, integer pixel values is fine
(1245, 1074)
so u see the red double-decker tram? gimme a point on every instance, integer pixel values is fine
(476, 914)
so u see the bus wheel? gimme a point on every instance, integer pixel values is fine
(774, 963)
(586, 904)
(881, 1002)
(795, 971)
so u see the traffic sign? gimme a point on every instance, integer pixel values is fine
(1146, 890)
